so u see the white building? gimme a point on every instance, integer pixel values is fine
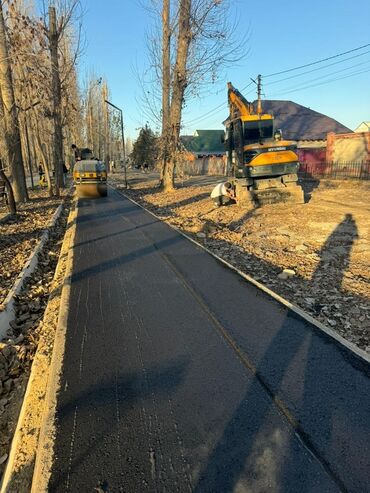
(363, 127)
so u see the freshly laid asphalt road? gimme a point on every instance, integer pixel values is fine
(178, 375)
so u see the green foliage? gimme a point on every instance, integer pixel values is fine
(145, 148)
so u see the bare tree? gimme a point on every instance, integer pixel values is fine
(166, 64)
(179, 83)
(198, 39)
(34, 85)
(9, 112)
(54, 35)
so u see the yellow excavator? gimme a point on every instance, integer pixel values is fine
(262, 165)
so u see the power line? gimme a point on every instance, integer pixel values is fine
(317, 61)
(325, 82)
(218, 108)
(213, 111)
(326, 75)
(316, 69)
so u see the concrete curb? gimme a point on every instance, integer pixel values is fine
(294, 308)
(44, 454)
(7, 315)
(38, 367)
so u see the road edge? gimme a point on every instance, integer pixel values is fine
(10, 478)
(287, 304)
(44, 453)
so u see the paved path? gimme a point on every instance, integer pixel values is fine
(180, 376)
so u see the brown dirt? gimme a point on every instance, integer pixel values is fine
(19, 236)
(326, 242)
(27, 329)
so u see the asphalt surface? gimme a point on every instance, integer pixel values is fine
(180, 376)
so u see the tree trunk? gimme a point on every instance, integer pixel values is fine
(11, 124)
(42, 154)
(46, 169)
(9, 191)
(166, 65)
(179, 84)
(57, 101)
(166, 85)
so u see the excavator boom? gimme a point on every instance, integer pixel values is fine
(238, 105)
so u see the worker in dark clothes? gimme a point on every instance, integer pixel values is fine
(41, 175)
(77, 152)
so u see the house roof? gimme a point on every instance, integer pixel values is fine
(300, 123)
(204, 142)
(296, 122)
(363, 127)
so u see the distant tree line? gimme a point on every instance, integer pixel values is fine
(42, 109)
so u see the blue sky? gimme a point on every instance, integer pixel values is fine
(283, 34)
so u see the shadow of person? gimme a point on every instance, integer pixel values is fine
(335, 256)
(259, 451)
(309, 183)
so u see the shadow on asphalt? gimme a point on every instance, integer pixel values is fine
(113, 263)
(233, 454)
(112, 235)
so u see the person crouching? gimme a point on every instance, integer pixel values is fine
(222, 194)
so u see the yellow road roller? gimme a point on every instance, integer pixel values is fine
(90, 178)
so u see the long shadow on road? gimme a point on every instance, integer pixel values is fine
(317, 413)
(123, 259)
(304, 377)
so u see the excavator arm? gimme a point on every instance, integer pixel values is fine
(238, 105)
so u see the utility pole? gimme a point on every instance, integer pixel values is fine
(123, 139)
(106, 124)
(259, 92)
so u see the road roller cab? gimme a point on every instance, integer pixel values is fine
(90, 177)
